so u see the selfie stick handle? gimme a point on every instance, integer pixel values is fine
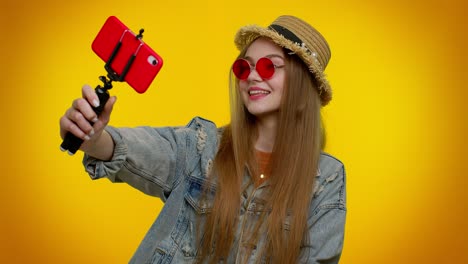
(72, 143)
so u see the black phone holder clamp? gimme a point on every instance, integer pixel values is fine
(72, 143)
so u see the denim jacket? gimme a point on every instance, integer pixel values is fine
(172, 163)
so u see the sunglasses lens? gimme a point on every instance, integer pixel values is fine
(265, 68)
(241, 69)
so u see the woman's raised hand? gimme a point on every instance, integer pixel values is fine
(81, 120)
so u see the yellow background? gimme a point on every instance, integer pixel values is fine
(398, 119)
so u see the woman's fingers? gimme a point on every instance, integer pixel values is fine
(90, 95)
(79, 118)
(82, 106)
(82, 118)
(66, 125)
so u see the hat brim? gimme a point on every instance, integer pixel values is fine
(246, 35)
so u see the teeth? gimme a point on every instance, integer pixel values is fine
(253, 92)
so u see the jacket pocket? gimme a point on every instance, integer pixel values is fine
(159, 256)
(200, 199)
(189, 228)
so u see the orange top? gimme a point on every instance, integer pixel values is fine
(263, 159)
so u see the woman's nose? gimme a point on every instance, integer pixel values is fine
(254, 76)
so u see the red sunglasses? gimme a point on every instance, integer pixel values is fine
(264, 67)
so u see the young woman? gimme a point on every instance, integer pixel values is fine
(259, 190)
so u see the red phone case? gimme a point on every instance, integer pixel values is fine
(146, 64)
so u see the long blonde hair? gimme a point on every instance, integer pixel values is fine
(294, 165)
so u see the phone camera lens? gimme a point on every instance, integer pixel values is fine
(152, 60)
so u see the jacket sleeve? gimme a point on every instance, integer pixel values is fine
(144, 157)
(326, 224)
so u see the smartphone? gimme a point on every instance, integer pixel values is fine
(146, 63)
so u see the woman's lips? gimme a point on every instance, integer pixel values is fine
(256, 93)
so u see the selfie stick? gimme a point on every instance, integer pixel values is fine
(72, 143)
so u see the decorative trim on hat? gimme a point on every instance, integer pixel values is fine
(286, 33)
(289, 35)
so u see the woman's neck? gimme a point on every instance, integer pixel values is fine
(266, 128)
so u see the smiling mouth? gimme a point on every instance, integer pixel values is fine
(258, 92)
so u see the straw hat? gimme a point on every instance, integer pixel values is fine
(300, 38)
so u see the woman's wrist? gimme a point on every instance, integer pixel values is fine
(101, 148)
